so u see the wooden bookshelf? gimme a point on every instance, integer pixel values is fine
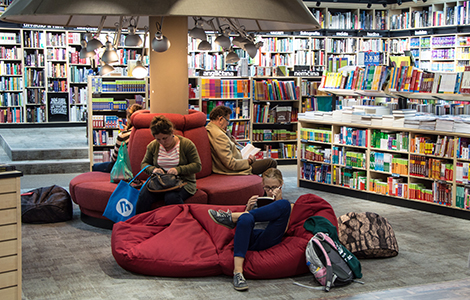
(320, 164)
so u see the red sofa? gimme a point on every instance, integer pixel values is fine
(183, 241)
(92, 190)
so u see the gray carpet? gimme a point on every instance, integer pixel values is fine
(72, 260)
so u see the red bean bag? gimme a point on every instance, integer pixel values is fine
(183, 241)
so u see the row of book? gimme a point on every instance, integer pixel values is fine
(9, 68)
(206, 61)
(74, 58)
(56, 39)
(58, 86)
(273, 89)
(78, 95)
(104, 121)
(100, 156)
(277, 114)
(442, 146)
(11, 83)
(392, 186)
(360, 78)
(36, 114)
(108, 104)
(463, 148)
(316, 153)
(351, 136)
(34, 78)
(79, 74)
(9, 53)
(431, 168)
(461, 172)
(388, 162)
(440, 193)
(56, 54)
(462, 197)
(265, 135)
(34, 59)
(317, 104)
(318, 173)
(11, 115)
(239, 110)
(105, 137)
(58, 70)
(100, 86)
(78, 113)
(34, 39)
(316, 135)
(35, 96)
(239, 130)
(11, 99)
(389, 140)
(221, 88)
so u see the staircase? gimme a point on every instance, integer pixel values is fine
(45, 150)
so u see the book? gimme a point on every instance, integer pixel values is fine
(465, 82)
(265, 200)
(248, 150)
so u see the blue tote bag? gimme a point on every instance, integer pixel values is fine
(121, 203)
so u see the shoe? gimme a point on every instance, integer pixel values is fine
(222, 218)
(239, 282)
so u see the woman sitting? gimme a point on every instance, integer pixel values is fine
(172, 154)
(247, 237)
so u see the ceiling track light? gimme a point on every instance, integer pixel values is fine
(94, 43)
(160, 43)
(384, 4)
(110, 55)
(318, 3)
(231, 57)
(197, 32)
(399, 2)
(105, 68)
(369, 5)
(139, 70)
(222, 40)
(132, 39)
(83, 52)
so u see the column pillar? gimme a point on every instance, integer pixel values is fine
(169, 70)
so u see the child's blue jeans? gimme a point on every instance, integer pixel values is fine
(247, 238)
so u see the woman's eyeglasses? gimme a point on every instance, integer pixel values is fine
(271, 188)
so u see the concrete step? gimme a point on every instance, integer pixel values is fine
(54, 150)
(47, 154)
(29, 167)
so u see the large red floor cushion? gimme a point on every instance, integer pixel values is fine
(183, 241)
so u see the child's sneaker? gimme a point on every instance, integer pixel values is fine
(239, 282)
(222, 218)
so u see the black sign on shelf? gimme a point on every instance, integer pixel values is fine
(58, 108)
(217, 73)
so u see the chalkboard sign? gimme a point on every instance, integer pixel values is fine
(58, 108)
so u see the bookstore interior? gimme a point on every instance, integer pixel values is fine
(374, 101)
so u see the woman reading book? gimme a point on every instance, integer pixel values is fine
(248, 237)
(226, 157)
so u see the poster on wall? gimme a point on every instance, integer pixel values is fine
(58, 109)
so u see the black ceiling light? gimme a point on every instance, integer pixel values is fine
(385, 4)
(318, 3)
(369, 5)
(399, 2)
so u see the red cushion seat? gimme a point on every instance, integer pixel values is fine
(183, 241)
(91, 190)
